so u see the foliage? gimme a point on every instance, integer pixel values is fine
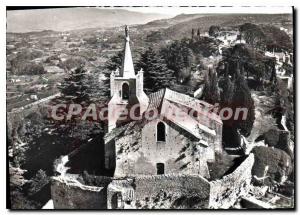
(16, 183)
(72, 63)
(99, 90)
(278, 161)
(242, 99)
(252, 63)
(38, 182)
(115, 62)
(28, 68)
(266, 37)
(213, 30)
(211, 90)
(227, 91)
(91, 40)
(156, 73)
(236, 94)
(74, 87)
(253, 35)
(205, 46)
(154, 36)
(178, 57)
(74, 90)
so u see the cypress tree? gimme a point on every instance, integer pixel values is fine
(242, 99)
(211, 90)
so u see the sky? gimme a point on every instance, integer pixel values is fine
(173, 11)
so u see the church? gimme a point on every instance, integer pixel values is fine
(158, 160)
(163, 144)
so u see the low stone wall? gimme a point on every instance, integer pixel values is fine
(70, 194)
(176, 185)
(225, 192)
(95, 180)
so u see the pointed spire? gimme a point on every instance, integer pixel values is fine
(127, 70)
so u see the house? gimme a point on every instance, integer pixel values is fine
(174, 133)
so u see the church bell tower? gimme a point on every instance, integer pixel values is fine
(126, 88)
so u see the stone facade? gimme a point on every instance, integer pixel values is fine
(165, 144)
(180, 152)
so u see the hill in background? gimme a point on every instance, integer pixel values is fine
(66, 19)
(181, 25)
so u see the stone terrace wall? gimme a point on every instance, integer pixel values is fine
(225, 192)
(177, 185)
(74, 195)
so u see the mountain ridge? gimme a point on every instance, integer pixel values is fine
(62, 19)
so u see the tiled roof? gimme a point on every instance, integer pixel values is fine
(155, 99)
(155, 102)
(168, 101)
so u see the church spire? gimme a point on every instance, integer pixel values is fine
(127, 70)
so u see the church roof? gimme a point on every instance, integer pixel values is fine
(168, 102)
(155, 101)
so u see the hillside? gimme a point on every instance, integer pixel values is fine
(62, 19)
(181, 25)
(165, 23)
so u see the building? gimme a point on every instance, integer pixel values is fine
(158, 160)
(126, 88)
(162, 143)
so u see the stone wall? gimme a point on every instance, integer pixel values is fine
(174, 185)
(73, 195)
(154, 191)
(180, 153)
(225, 192)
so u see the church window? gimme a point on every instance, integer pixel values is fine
(125, 91)
(161, 132)
(160, 167)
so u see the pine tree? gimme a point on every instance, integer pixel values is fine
(156, 73)
(99, 90)
(74, 88)
(178, 56)
(115, 62)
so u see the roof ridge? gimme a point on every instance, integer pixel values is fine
(162, 98)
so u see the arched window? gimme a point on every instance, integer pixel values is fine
(125, 91)
(161, 132)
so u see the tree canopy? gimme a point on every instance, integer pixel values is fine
(266, 37)
(156, 73)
